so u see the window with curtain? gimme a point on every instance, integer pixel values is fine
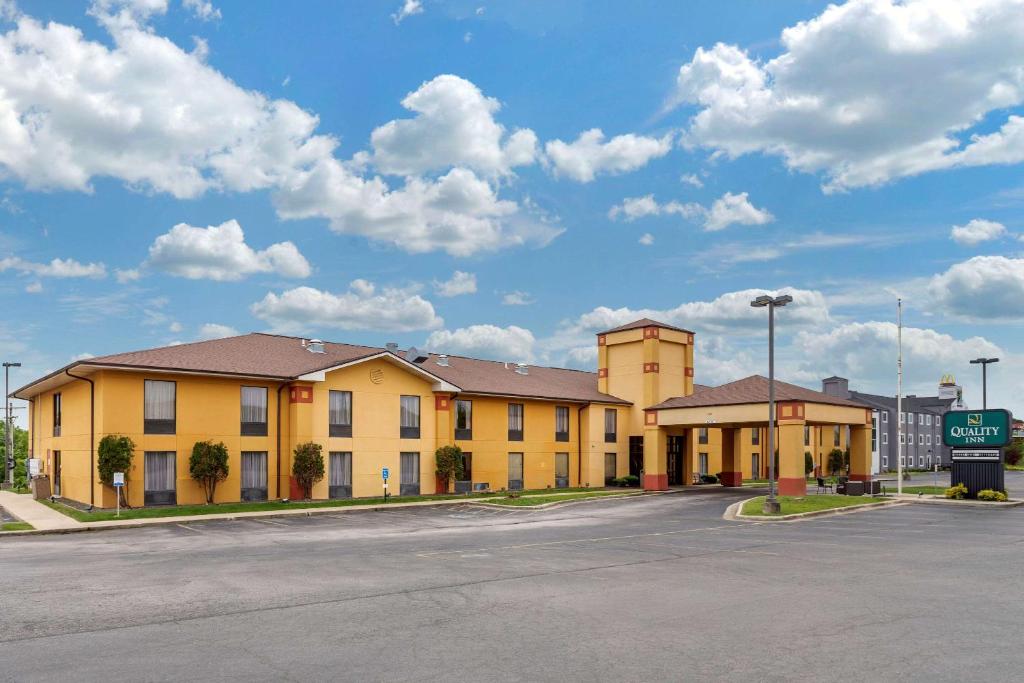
(409, 418)
(340, 413)
(340, 474)
(609, 468)
(702, 435)
(755, 436)
(56, 414)
(561, 423)
(463, 420)
(835, 436)
(409, 474)
(807, 435)
(610, 430)
(254, 475)
(254, 411)
(515, 421)
(159, 477)
(159, 411)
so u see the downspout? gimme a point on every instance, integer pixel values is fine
(579, 444)
(92, 437)
(32, 427)
(277, 486)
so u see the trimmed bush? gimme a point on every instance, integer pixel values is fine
(992, 495)
(808, 463)
(115, 455)
(958, 492)
(708, 479)
(448, 463)
(208, 465)
(308, 466)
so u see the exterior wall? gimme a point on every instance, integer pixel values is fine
(595, 447)
(73, 442)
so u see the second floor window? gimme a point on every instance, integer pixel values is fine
(254, 411)
(410, 417)
(463, 420)
(835, 436)
(561, 423)
(755, 436)
(807, 435)
(610, 429)
(56, 414)
(515, 421)
(159, 410)
(340, 413)
(702, 435)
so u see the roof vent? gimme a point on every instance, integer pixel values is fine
(315, 346)
(442, 360)
(521, 369)
(392, 347)
(414, 356)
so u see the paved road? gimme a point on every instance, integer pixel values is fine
(653, 588)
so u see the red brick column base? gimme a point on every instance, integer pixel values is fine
(732, 479)
(294, 490)
(655, 482)
(792, 486)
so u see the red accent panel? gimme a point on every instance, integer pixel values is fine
(650, 333)
(441, 484)
(655, 482)
(650, 417)
(601, 340)
(300, 394)
(792, 486)
(860, 477)
(650, 367)
(294, 490)
(792, 410)
(689, 372)
(441, 402)
(732, 479)
(602, 372)
(689, 339)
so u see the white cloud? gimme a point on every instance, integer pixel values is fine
(362, 307)
(59, 268)
(219, 252)
(730, 209)
(589, 155)
(34, 287)
(215, 331)
(977, 231)
(982, 288)
(516, 298)
(646, 239)
(513, 344)
(82, 356)
(202, 9)
(717, 361)
(460, 283)
(175, 327)
(408, 8)
(127, 275)
(691, 179)
(454, 126)
(917, 77)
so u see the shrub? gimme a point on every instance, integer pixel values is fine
(308, 466)
(20, 474)
(958, 492)
(448, 463)
(115, 455)
(836, 461)
(208, 465)
(708, 479)
(631, 480)
(1015, 453)
(992, 495)
(808, 463)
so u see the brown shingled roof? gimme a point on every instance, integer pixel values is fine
(644, 322)
(753, 389)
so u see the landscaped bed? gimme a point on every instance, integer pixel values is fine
(792, 505)
(16, 526)
(534, 500)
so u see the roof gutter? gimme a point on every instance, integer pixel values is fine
(92, 436)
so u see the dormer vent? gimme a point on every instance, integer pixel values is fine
(442, 360)
(315, 346)
(522, 369)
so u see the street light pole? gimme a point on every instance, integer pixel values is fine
(983, 362)
(771, 504)
(8, 436)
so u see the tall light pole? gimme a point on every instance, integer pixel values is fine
(899, 397)
(983, 362)
(8, 435)
(771, 505)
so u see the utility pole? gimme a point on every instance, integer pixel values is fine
(899, 396)
(771, 504)
(984, 362)
(8, 432)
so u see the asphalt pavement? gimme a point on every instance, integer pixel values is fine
(650, 588)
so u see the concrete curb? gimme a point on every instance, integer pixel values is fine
(961, 503)
(569, 501)
(732, 513)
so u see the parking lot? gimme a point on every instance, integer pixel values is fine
(659, 587)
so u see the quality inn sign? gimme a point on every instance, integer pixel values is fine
(976, 428)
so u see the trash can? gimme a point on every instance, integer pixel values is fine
(874, 488)
(40, 486)
(855, 488)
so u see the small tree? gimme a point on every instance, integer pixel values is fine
(448, 460)
(1015, 453)
(208, 465)
(808, 463)
(836, 461)
(308, 466)
(115, 455)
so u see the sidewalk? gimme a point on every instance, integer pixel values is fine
(42, 518)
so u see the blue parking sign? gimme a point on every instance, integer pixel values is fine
(384, 473)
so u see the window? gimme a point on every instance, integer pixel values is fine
(928, 420)
(339, 411)
(515, 421)
(254, 475)
(902, 417)
(610, 468)
(254, 411)
(515, 471)
(928, 440)
(755, 436)
(807, 435)
(409, 474)
(755, 465)
(561, 470)
(610, 430)
(929, 460)
(903, 460)
(159, 478)
(902, 437)
(920, 439)
(885, 439)
(340, 475)
(702, 435)
(910, 461)
(409, 409)
(835, 435)
(561, 423)
(56, 414)
(885, 462)
(463, 420)
(467, 467)
(874, 436)
(920, 419)
(159, 407)
(885, 416)
(910, 419)
(702, 460)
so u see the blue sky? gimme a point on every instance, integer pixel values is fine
(504, 179)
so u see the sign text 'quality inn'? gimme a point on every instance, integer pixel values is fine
(989, 428)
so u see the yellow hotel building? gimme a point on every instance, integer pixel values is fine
(372, 408)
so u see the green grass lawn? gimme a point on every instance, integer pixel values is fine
(529, 501)
(272, 506)
(914, 490)
(16, 526)
(1015, 468)
(793, 505)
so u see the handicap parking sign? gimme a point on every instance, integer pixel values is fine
(385, 472)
